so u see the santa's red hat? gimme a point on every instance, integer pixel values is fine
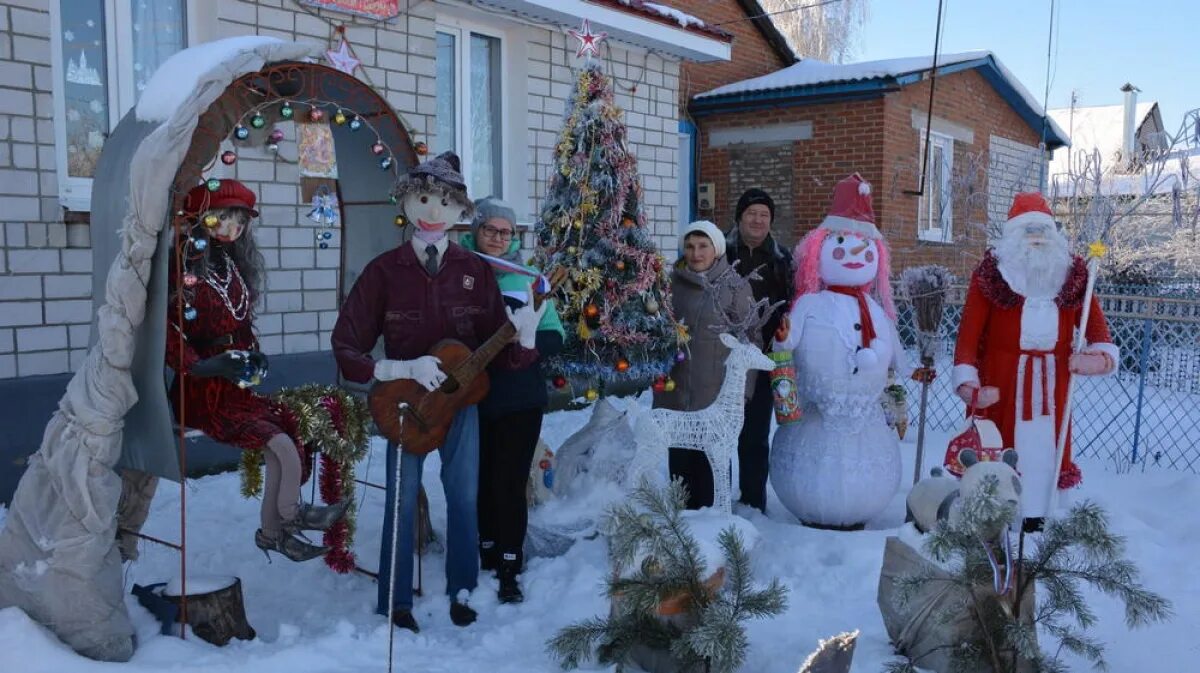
(851, 209)
(1028, 207)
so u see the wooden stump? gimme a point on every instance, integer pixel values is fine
(216, 615)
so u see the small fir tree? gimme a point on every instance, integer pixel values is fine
(615, 302)
(656, 559)
(1072, 551)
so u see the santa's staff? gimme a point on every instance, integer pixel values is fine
(1096, 251)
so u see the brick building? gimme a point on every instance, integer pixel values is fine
(798, 130)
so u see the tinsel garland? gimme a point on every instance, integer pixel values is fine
(329, 420)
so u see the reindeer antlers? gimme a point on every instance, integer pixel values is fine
(750, 324)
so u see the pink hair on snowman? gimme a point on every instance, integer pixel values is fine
(808, 269)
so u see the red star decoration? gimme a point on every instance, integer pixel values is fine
(589, 42)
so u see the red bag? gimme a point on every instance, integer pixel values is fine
(982, 437)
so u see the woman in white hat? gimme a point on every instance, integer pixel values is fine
(706, 294)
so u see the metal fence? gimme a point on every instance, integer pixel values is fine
(1145, 416)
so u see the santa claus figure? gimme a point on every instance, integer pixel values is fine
(839, 466)
(1014, 355)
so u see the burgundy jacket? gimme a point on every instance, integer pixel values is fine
(395, 297)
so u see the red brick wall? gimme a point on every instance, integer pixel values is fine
(871, 137)
(751, 54)
(964, 98)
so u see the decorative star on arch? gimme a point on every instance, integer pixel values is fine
(589, 42)
(342, 58)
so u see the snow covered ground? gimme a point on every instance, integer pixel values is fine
(311, 620)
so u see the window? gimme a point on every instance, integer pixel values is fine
(935, 212)
(105, 51)
(468, 106)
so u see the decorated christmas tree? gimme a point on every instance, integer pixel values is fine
(614, 302)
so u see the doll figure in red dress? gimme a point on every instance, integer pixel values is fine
(212, 347)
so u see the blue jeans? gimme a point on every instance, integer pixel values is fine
(460, 479)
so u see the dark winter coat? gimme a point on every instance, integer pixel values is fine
(777, 282)
(695, 301)
(396, 298)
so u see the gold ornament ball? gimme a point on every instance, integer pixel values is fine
(571, 250)
(592, 395)
(400, 221)
(669, 385)
(211, 220)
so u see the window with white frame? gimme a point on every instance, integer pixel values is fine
(935, 211)
(469, 96)
(104, 53)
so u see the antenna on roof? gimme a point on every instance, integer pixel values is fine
(937, 40)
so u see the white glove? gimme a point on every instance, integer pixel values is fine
(423, 370)
(526, 320)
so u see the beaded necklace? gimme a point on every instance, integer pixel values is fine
(222, 286)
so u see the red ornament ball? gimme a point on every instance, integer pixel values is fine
(622, 365)
(544, 464)
(316, 114)
(620, 265)
(228, 157)
(659, 386)
(591, 311)
(560, 382)
(421, 148)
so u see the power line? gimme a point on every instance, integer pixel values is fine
(782, 11)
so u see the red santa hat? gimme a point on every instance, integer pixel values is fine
(1028, 207)
(851, 208)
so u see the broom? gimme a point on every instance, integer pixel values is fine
(925, 287)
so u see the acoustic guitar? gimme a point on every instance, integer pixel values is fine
(429, 413)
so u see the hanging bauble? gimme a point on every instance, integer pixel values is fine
(560, 382)
(619, 265)
(627, 222)
(189, 313)
(393, 199)
(356, 124)
(591, 311)
(622, 365)
(421, 148)
(578, 224)
(211, 220)
(339, 118)
(228, 157)
(324, 235)
(660, 385)
(669, 385)
(316, 114)
(378, 148)
(592, 395)
(400, 221)
(273, 147)
(385, 163)
(680, 356)
(323, 245)
(213, 184)
(658, 262)
(241, 132)
(286, 110)
(200, 243)
(258, 121)
(190, 280)
(651, 305)
(571, 250)
(275, 136)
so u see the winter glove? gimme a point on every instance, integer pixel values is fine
(988, 395)
(229, 365)
(526, 320)
(423, 370)
(1090, 363)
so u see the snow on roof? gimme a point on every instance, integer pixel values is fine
(685, 20)
(177, 77)
(812, 72)
(682, 18)
(1099, 127)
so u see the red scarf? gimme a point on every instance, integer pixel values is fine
(864, 311)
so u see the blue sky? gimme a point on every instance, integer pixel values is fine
(1101, 44)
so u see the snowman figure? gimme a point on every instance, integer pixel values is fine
(839, 466)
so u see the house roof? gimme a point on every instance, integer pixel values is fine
(1099, 127)
(638, 22)
(811, 81)
(766, 26)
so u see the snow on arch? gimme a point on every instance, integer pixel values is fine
(177, 77)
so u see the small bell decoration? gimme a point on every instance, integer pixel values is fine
(324, 207)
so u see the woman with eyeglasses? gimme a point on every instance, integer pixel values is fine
(510, 417)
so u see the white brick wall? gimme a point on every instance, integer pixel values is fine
(46, 264)
(1012, 167)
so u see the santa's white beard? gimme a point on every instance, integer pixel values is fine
(1033, 271)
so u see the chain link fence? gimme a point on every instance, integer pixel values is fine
(1147, 415)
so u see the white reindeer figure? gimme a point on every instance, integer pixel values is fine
(713, 430)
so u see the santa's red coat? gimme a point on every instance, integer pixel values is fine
(989, 350)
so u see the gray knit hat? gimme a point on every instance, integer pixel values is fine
(489, 207)
(443, 168)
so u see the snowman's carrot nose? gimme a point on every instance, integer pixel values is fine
(859, 249)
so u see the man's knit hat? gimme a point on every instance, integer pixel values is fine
(749, 198)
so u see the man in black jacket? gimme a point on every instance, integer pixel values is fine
(751, 246)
